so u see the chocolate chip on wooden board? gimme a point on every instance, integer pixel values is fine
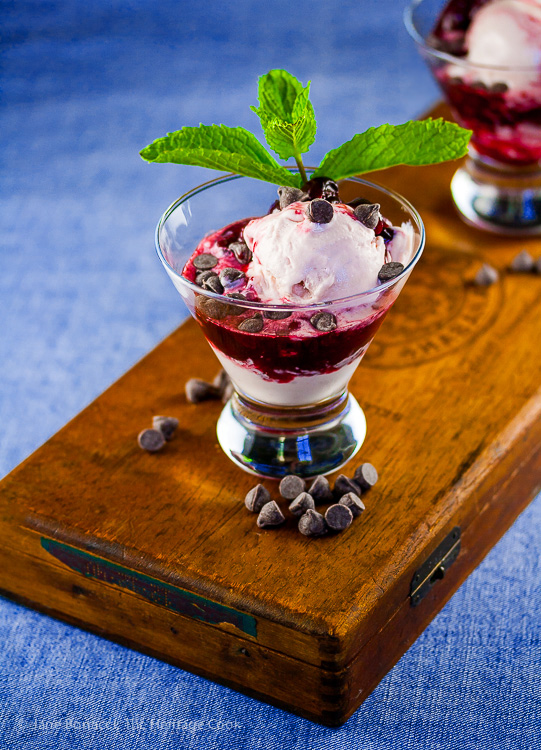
(312, 523)
(270, 515)
(151, 440)
(291, 486)
(338, 517)
(522, 263)
(353, 502)
(343, 485)
(486, 276)
(221, 380)
(320, 490)
(199, 390)
(366, 476)
(166, 425)
(301, 504)
(256, 498)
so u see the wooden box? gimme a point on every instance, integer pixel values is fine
(158, 551)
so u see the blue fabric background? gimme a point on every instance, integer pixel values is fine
(83, 296)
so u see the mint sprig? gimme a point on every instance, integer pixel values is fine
(289, 125)
(223, 148)
(287, 115)
(414, 143)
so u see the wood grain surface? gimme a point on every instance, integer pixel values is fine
(451, 391)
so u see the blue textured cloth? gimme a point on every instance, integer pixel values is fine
(83, 296)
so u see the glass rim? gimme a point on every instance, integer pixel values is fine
(289, 305)
(420, 40)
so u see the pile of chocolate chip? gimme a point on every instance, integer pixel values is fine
(345, 499)
(523, 262)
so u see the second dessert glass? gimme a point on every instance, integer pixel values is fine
(499, 186)
(291, 411)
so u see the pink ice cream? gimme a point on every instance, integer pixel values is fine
(299, 261)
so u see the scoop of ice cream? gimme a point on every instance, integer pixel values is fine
(506, 33)
(300, 261)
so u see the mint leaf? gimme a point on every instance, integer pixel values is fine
(286, 114)
(277, 92)
(223, 148)
(414, 143)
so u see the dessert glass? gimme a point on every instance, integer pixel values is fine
(290, 411)
(499, 186)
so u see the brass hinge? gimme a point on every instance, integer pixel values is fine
(435, 567)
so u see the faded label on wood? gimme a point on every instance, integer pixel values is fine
(164, 594)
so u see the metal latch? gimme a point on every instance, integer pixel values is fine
(435, 567)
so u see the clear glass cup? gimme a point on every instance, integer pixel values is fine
(290, 411)
(499, 186)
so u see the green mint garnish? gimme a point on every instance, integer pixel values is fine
(415, 143)
(287, 115)
(289, 125)
(223, 148)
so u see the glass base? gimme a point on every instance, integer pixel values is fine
(498, 199)
(306, 441)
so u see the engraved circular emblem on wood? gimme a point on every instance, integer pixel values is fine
(439, 310)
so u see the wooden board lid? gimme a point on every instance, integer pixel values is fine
(450, 388)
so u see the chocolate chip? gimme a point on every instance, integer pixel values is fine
(302, 503)
(499, 88)
(320, 490)
(252, 325)
(256, 498)
(291, 486)
(368, 214)
(455, 81)
(231, 277)
(205, 261)
(343, 485)
(166, 425)
(319, 211)
(213, 284)
(359, 202)
(323, 321)
(213, 308)
(353, 502)
(289, 195)
(276, 314)
(242, 252)
(366, 476)
(270, 515)
(480, 85)
(151, 440)
(199, 390)
(312, 523)
(522, 263)
(338, 517)
(486, 276)
(390, 270)
(202, 276)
